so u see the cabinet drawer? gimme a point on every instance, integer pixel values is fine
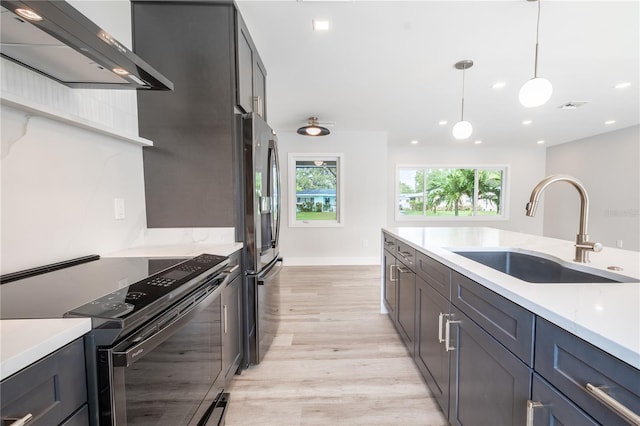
(555, 408)
(406, 254)
(510, 324)
(389, 243)
(51, 389)
(435, 273)
(569, 363)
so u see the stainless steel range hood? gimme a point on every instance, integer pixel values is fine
(69, 48)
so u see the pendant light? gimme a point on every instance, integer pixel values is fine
(536, 91)
(313, 128)
(463, 129)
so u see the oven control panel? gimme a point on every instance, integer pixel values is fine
(162, 287)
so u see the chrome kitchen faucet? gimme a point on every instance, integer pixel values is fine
(583, 245)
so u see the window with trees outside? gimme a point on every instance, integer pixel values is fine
(427, 192)
(315, 189)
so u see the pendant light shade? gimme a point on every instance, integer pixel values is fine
(538, 90)
(535, 92)
(313, 128)
(462, 129)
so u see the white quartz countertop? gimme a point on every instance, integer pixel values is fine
(606, 315)
(25, 341)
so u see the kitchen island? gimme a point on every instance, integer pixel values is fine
(565, 351)
(605, 315)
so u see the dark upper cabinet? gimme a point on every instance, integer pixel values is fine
(251, 87)
(192, 173)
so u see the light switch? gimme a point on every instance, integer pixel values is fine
(119, 208)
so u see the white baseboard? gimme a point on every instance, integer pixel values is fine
(329, 261)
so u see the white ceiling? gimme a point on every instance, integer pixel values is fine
(389, 66)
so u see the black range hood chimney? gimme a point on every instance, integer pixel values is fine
(63, 44)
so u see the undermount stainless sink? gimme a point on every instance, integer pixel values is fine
(540, 268)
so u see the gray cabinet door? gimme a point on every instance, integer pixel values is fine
(232, 327)
(406, 305)
(245, 60)
(489, 385)
(430, 356)
(390, 285)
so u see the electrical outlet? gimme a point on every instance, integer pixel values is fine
(365, 243)
(619, 243)
(118, 204)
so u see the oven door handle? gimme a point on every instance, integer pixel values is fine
(166, 326)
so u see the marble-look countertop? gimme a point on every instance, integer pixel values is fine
(606, 315)
(24, 341)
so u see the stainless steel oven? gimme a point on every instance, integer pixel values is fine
(168, 372)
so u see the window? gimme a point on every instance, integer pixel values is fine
(315, 190)
(426, 192)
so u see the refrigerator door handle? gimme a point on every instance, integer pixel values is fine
(274, 169)
(270, 272)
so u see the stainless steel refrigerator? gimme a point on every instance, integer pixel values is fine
(262, 264)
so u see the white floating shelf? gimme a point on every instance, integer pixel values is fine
(35, 108)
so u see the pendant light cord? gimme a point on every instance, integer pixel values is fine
(535, 66)
(462, 112)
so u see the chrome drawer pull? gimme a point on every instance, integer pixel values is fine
(447, 335)
(21, 421)
(391, 277)
(531, 405)
(441, 316)
(613, 404)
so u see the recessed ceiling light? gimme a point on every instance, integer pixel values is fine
(527, 122)
(320, 25)
(622, 85)
(499, 84)
(442, 122)
(540, 142)
(478, 142)
(608, 122)
(414, 142)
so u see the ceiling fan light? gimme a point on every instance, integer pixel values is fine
(535, 92)
(462, 130)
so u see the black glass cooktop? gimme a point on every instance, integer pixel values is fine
(107, 288)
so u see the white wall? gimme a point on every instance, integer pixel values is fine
(526, 168)
(609, 167)
(358, 241)
(58, 181)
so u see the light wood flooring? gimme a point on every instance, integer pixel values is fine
(335, 359)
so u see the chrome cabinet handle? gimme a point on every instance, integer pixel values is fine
(613, 404)
(531, 405)
(19, 422)
(447, 335)
(224, 311)
(441, 317)
(402, 270)
(391, 277)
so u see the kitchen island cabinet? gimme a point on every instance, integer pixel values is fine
(400, 288)
(192, 173)
(492, 324)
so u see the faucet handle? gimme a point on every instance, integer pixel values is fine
(588, 245)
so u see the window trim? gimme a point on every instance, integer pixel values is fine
(340, 207)
(505, 193)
